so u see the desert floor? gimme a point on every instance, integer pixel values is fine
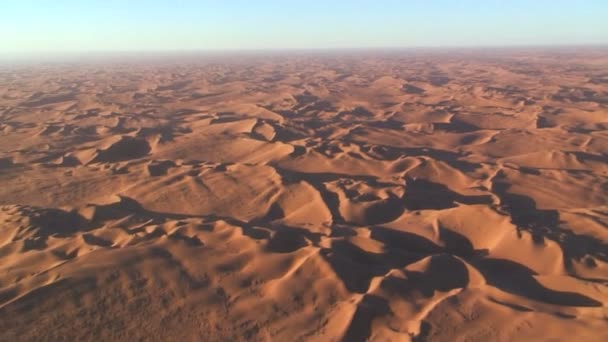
(385, 196)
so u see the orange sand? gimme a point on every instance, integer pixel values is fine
(430, 196)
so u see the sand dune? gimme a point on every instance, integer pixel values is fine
(306, 198)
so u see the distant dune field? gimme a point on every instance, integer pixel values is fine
(307, 197)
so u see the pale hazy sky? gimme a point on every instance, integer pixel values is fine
(33, 26)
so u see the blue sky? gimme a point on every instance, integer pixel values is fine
(31, 26)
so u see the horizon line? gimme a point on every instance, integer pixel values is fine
(312, 48)
(46, 56)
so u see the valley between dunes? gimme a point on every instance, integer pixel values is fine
(311, 197)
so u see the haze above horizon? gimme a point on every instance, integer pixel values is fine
(64, 26)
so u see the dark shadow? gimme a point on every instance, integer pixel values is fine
(286, 241)
(444, 273)
(515, 278)
(96, 241)
(368, 309)
(125, 149)
(412, 89)
(160, 167)
(423, 194)
(546, 224)
(6, 163)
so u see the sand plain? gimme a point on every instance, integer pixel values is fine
(429, 196)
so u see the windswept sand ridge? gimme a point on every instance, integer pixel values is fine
(421, 197)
